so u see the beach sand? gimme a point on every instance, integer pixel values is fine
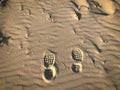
(59, 45)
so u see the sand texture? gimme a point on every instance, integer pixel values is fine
(59, 45)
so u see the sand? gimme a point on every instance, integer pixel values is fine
(38, 37)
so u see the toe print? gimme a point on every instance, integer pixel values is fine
(77, 54)
(49, 59)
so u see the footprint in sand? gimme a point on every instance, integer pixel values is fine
(50, 70)
(77, 67)
(49, 59)
(49, 74)
(77, 55)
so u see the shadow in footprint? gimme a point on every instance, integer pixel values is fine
(75, 68)
(3, 2)
(78, 14)
(3, 39)
(48, 73)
